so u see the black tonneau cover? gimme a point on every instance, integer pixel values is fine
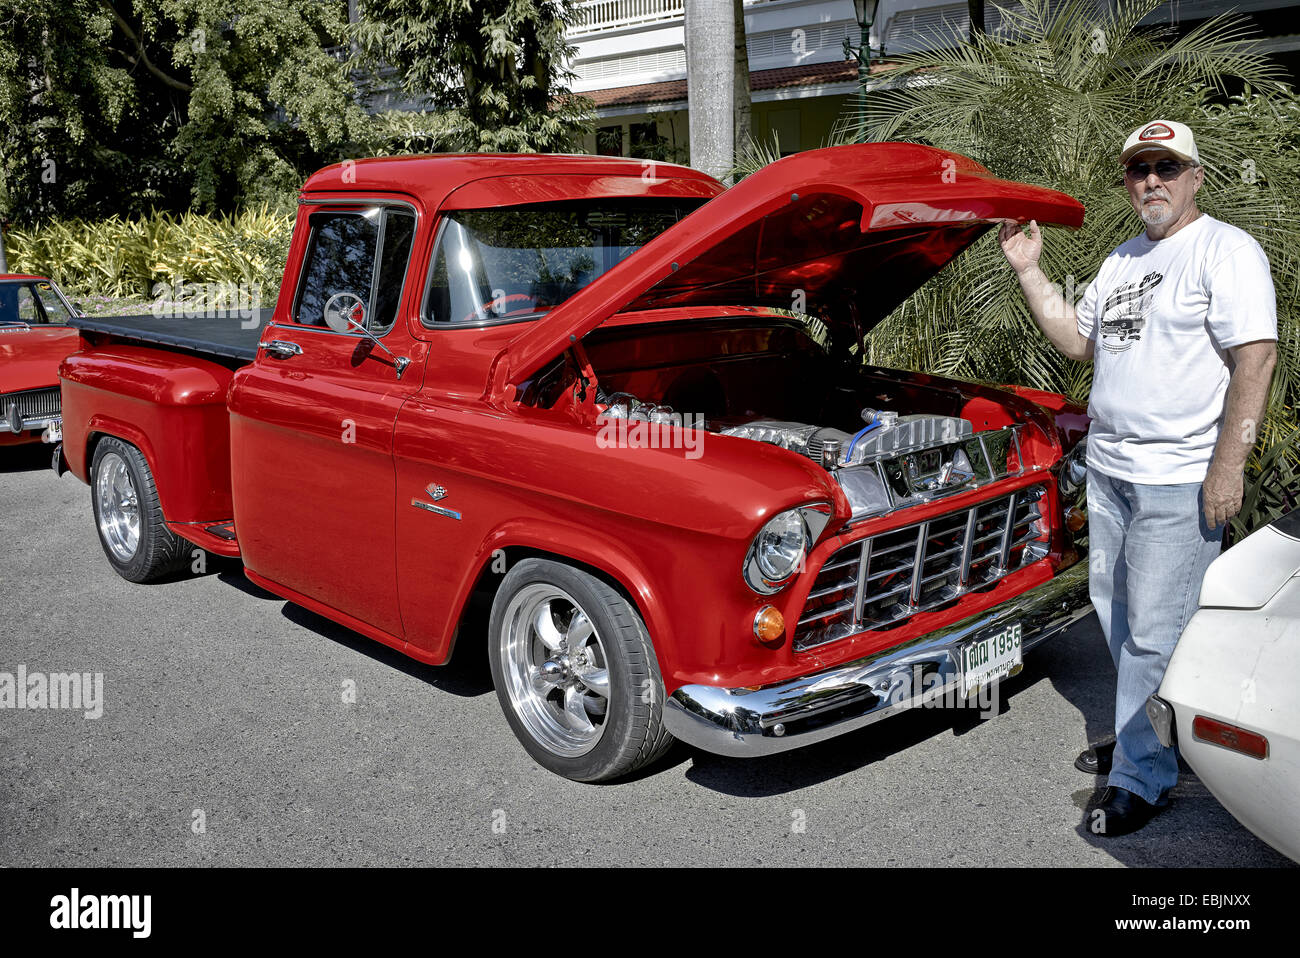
(231, 334)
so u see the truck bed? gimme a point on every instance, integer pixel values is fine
(228, 335)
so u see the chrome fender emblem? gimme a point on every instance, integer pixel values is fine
(435, 493)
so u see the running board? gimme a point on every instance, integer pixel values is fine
(215, 537)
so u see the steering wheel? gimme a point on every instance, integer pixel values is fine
(500, 301)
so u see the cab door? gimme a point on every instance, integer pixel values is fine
(312, 417)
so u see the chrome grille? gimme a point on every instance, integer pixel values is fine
(32, 404)
(884, 580)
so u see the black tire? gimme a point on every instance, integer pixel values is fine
(630, 731)
(149, 550)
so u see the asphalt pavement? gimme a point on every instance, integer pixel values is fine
(237, 729)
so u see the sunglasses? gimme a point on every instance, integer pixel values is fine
(1165, 169)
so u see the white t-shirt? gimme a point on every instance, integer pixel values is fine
(1169, 311)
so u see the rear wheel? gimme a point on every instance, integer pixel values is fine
(576, 673)
(128, 516)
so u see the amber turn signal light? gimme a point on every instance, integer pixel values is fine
(1230, 737)
(769, 626)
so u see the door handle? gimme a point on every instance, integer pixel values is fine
(281, 349)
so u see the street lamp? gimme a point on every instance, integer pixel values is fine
(865, 12)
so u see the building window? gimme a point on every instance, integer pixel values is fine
(609, 141)
(648, 144)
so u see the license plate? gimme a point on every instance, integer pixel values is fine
(990, 658)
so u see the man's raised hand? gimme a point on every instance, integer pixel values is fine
(1021, 248)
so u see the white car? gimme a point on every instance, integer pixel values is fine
(1231, 695)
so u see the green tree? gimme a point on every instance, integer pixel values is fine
(270, 101)
(491, 74)
(69, 123)
(118, 107)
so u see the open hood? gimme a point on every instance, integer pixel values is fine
(844, 233)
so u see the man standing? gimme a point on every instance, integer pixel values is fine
(1181, 325)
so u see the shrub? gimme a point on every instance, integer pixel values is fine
(129, 258)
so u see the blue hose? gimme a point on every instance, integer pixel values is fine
(848, 457)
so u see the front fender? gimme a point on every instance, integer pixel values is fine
(591, 547)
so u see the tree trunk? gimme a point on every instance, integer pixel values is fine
(710, 86)
(975, 10)
(743, 106)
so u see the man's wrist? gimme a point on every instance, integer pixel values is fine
(1027, 275)
(1221, 466)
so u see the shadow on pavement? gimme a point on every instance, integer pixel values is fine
(28, 457)
(467, 674)
(1080, 669)
(1195, 830)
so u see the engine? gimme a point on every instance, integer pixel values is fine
(886, 434)
(893, 461)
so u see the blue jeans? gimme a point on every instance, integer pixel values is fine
(1149, 547)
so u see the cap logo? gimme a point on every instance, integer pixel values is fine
(1156, 131)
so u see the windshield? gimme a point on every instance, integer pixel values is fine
(517, 262)
(31, 302)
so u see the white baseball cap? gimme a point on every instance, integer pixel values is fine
(1162, 135)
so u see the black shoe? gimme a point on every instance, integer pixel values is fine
(1096, 759)
(1120, 813)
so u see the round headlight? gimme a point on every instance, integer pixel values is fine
(780, 545)
(778, 552)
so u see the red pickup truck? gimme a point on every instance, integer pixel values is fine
(624, 408)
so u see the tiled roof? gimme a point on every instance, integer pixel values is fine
(669, 91)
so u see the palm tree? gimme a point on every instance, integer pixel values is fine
(743, 106)
(710, 84)
(1049, 101)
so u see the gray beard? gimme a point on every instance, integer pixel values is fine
(1155, 216)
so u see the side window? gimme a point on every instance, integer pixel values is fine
(394, 254)
(355, 264)
(55, 311)
(28, 311)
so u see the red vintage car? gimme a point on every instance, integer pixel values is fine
(623, 408)
(34, 338)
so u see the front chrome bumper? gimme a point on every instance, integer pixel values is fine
(14, 419)
(18, 423)
(745, 723)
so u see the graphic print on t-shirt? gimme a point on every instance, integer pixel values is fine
(1124, 314)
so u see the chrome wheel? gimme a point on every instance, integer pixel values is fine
(555, 668)
(119, 507)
